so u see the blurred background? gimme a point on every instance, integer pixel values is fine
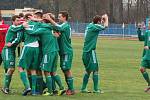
(123, 14)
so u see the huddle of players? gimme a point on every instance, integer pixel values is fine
(43, 40)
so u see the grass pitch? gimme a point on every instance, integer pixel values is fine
(119, 73)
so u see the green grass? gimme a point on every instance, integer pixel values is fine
(119, 71)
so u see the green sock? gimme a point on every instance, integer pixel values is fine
(49, 83)
(39, 85)
(70, 83)
(34, 79)
(43, 84)
(85, 81)
(30, 80)
(96, 81)
(58, 81)
(7, 80)
(146, 77)
(24, 79)
(53, 83)
(66, 80)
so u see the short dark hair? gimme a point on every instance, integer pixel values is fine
(96, 19)
(21, 15)
(13, 18)
(26, 16)
(39, 14)
(64, 14)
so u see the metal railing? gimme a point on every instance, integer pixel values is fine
(127, 30)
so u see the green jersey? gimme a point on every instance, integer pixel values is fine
(12, 34)
(31, 38)
(64, 41)
(147, 43)
(47, 39)
(91, 35)
(141, 37)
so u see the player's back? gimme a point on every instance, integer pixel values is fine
(31, 38)
(48, 40)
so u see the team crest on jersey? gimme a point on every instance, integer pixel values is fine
(31, 27)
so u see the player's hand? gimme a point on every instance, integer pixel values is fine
(146, 47)
(48, 17)
(9, 44)
(25, 25)
(44, 16)
(104, 16)
(30, 17)
(56, 34)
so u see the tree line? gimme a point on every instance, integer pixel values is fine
(119, 11)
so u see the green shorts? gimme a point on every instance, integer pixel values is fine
(8, 56)
(90, 61)
(40, 60)
(49, 62)
(66, 61)
(29, 58)
(145, 63)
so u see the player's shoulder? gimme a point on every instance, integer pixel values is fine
(65, 25)
(11, 27)
(33, 22)
(147, 31)
(90, 25)
(99, 25)
(46, 25)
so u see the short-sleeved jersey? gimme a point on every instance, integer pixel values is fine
(64, 41)
(91, 35)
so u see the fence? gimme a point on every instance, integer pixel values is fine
(119, 30)
(116, 30)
